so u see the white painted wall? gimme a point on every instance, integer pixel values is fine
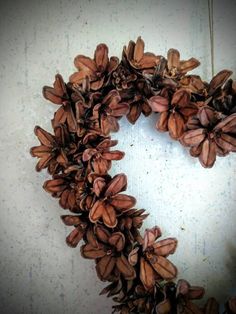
(38, 272)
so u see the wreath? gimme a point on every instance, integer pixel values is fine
(197, 114)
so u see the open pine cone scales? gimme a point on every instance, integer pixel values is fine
(79, 152)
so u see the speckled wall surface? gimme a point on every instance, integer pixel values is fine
(38, 272)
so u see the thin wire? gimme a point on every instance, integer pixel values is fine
(211, 27)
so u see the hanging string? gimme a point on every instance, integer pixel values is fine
(211, 28)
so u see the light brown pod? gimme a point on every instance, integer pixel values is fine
(165, 247)
(163, 267)
(218, 80)
(118, 184)
(212, 306)
(91, 252)
(117, 240)
(208, 154)
(158, 103)
(176, 125)
(105, 266)
(193, 137)
(146, 274)
(125, 268)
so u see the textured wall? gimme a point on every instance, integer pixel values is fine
(38, 272)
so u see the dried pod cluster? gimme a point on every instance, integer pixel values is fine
(80, 151)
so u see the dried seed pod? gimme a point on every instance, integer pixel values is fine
(212, 307)
(182, 288)
(98, 185)
(208, 153)
(70, 220)
(123, 201)
(181, 97)
(163, 307)
(162, 123)
(117, 240)
(218, 80)
(189, 65)
(193, 137)
(118, 184)
(226, 142)
(165, 247)
(125, 268)
(158, 103)
(150, 236)
(207, 116)
(175, 125)
(102, 233)
(91, 252)
(227, 125)
(147, 274)
(44, 137)
(163, 267)
(133, 256)
(188, 307)
(173, 58)
(74, 237)
(196, 292)
(54, 186)
(231, 304)
(58, 93)
(105, 266)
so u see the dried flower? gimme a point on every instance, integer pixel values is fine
(173, 112)
(154, 265)
(100, 157)
(54, 151)
(176, 67)
(110, 200)
(97, 69)
(78, 232)
(137, 58)
(210, 135)
(58, 94)
(109, 254)
(109, 110)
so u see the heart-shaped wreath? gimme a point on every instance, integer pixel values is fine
(198, 114)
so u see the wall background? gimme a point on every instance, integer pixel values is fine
(38, 272)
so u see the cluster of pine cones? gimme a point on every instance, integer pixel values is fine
(79, 154)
